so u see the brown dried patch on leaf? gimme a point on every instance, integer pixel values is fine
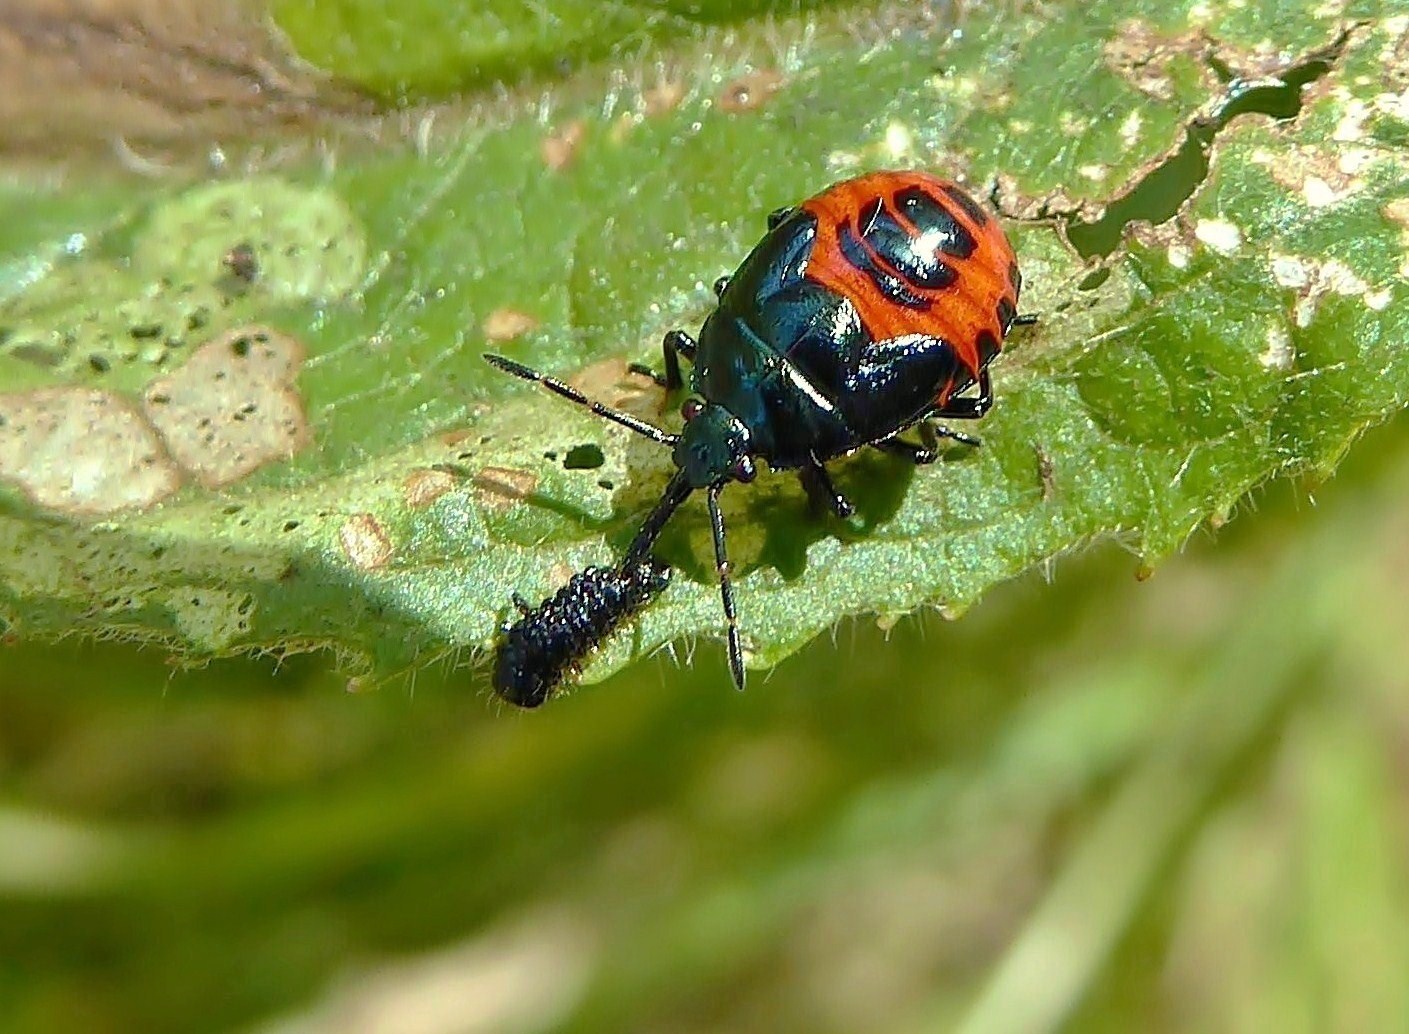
(232, 407)
(1012, 203)
(81, 451)
(611, 382)
(424, 486)
(1397, 211)
(560, 147)
(508, 324)
(1320, 177)
(750, 91)
(1174, 236)
(1141, 56)
(662, 98)
(1146, 59)
(1171, 231)
(498, 488)
(1394, 55)
(365, 542)
(454, 438)
(1314, 278)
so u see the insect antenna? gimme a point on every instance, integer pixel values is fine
(570, 393)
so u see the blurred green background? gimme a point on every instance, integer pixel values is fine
(1095, 804)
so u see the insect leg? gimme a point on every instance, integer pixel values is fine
(916, 454)
(928, 449)
(970, 408)
(570, 393)
(645, 371)
(726, 588)
(820, 489)
(676, 344)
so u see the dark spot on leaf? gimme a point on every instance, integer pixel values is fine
(38, 354)
(242, 262)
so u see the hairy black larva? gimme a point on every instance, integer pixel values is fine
(546, 643)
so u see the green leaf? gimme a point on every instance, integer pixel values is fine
(1255, 334)
(425, 49)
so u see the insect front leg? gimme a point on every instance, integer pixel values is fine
(676, 344)
(726, 589)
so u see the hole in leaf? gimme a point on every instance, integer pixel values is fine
(583, 457)
(1158, 197)
(1094, 279)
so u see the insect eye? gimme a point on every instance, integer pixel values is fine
(691, 409)
(744, 469)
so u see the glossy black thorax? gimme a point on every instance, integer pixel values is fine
(792, 361)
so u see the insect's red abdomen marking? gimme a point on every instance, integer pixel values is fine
(917, 255)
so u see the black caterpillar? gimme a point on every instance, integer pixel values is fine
(536, 651)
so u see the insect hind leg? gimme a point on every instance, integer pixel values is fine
(928, 450)
(817, 483)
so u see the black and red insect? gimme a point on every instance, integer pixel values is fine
(869, 310)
